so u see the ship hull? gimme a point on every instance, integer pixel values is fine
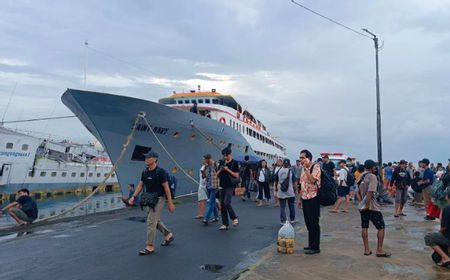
(110, 119)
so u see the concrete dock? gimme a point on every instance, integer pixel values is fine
(105, 246)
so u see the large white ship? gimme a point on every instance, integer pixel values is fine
(220, 122)
(43, 165)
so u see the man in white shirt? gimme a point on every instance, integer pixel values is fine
(343, 189)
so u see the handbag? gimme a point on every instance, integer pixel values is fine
(234, 181)
(149, 199)
(253, 186)
(239, 191)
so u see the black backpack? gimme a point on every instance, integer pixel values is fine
(284, 186)
(350, 180)
(327, 192)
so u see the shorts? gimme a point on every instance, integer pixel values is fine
(22, 215)
(202, 193)
(401, 196)
(372, 216)
(343, 191)
(437, 239)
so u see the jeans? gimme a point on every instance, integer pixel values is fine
(211, 207)
(311, 214)
(245, 184)
(291, 204)
(225, 200)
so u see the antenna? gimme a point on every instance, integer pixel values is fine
(9, 102)
(86, 44)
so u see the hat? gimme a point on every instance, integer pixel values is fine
(369, 164)
(403, 162)
(151, 154)
(286, 161)
(226, 151)
(425, 161)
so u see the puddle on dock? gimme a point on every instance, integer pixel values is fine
(215, 268)
(99, 203)
(404, 270)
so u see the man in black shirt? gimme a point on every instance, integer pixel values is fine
(440, 241)
(229, 178)
(328, 166)
(246, 175)
(24, 209)
(155, 180)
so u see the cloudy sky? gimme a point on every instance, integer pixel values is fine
(311, 82)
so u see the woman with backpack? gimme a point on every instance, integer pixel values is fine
(263, 179)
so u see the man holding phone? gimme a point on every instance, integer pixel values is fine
(309, 187)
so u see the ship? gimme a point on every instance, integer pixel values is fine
(46, 166)
(170, 128)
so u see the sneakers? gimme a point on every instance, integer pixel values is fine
(215, 220)
(311, 251)
(428, 218)
(235, 222)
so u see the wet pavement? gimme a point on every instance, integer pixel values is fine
(105, 246)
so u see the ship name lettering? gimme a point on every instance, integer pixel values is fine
(156, 129)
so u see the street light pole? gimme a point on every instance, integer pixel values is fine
(379, 143)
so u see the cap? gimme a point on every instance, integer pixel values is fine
(369, 164)
(151, 154)
(425, 161)
(286, 161)
(226, 151)
(403, 162)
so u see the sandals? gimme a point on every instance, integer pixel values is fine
(368, 254)
(402, 214)
(344, 211)
(168, 241)
(444, 264)
(333, 211)
(383, 255)
(145, 252)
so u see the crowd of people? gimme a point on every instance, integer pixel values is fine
(292, 187)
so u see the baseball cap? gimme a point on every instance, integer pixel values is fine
(226, 151)
(286, 161)
(151, 154)
(369, 164)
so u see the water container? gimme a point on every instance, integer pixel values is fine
(286, 239)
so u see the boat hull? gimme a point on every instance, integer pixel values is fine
(110, 119)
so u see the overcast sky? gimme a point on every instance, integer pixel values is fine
(311, 82)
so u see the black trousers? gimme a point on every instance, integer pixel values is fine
(263, 188)
(225, 200)
(311, 214)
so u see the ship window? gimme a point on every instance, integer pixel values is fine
(207, 101)
(9, 145)
(64, 174)
(25, 147)
(99, 174)
(215, 101)
(186, 101)
(73, 174)
(200, 101)
(91, 174)
(82, 174)
(113, 175)
(180, 101)
(53, 174)
(193, 101)
(139, 152)
(43, 173)
(30, 173)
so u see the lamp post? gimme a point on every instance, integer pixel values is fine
(379, 144)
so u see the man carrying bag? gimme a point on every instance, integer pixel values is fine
(155, 180)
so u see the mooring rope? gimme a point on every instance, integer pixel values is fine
(103, 183)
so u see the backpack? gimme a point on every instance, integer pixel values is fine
(284, 186)
(350, 180)
(327, 191)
